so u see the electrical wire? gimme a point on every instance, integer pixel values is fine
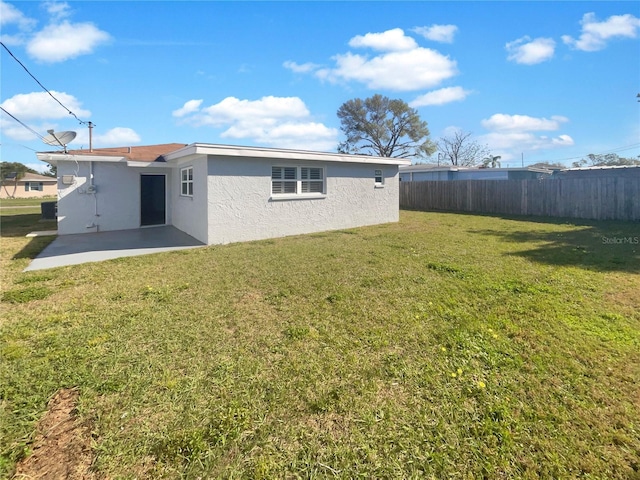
(82, 122)
(23, 124)
(19, 145)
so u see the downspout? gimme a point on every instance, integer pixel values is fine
(93, 192)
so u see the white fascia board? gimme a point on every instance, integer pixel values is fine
(421, 169)
(134, 164)
(52, 158)
(278, 154)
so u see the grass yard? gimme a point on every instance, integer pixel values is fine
(444, 346)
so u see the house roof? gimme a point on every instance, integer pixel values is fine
(601, 168)
(143, 153)
(32, 177)
(450, 168)
(195, 149)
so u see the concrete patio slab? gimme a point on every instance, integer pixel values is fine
(42, 233)
(96, 247)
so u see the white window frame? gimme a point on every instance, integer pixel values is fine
(378, 178)
(33, 187)
(188, 182)
(293, 180)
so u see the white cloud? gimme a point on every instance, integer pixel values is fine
(595, 34)
(57, 10)
(512, 144)
(11, 15)
(437, 33)
(529, 52)
(404, 71)
(511, 135)
(63, 41)
(267, 109)
(389, 41)
(13, 130)
(299, 135)
(300, 68)
(400, 64)
(504, 122)
(40, 105)
(60, 40)
(189, 107)
(440, 97)
(562, 140)
(114, 137)
(270, 121)
(117, 136)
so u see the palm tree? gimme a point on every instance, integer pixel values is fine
(491, 161)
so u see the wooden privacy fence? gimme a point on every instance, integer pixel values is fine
(613, 198)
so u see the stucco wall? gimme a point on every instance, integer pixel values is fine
(189, 214)
(114, 206)
(241, 206)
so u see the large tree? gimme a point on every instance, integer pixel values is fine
(8, 168)
(383, 127)
(461, 150)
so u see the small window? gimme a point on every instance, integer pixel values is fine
(33, 187)
(312, 180)
(284, 180)
(186, 182)
(297, 180)
(379, 178)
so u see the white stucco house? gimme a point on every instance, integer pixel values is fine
(221, 194)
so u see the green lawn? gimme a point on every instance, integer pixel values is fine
(444, 346)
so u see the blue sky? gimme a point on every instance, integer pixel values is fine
(539, 81)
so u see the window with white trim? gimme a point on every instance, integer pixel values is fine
(33, 187)
(297, 180)
(379, 178)
(186, 182)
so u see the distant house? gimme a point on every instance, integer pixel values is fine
(627, 171)
(417, 173)
(31, 185)
(220, 194)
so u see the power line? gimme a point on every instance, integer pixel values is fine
(18, 145)
(43, 87)
(23, 124)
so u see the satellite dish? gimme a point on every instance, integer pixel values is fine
(59, 138)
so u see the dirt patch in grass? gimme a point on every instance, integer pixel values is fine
(62, 448)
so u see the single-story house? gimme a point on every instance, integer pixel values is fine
(221, 194)
(31, 185)
(627, 171)
(418, 173)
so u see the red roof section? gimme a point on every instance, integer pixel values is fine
(31, 177)
(143, 153)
